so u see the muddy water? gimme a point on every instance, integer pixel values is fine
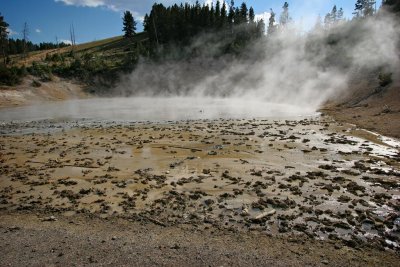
(151, 109)
(309, 176)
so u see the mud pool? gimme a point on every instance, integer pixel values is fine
(210, 167)
(152, 109)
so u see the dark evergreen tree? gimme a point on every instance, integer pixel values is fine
(223, 15)
(271, 23)
(285, 18)
(244, 13)
(260, 28)
(364, 8)
(334, 14)
(217, 10)
(391, 5)
(129, 24)
(231, 14)
(177, 25)
(369, 8)
(333, 17)
(358, 8)
(237, 17)
(3, 37)
(340, 14)
(146, 23)
(252, 15)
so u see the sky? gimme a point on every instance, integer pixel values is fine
(99, 19)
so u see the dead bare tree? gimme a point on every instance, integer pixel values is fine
(72, 36)
(25, 39)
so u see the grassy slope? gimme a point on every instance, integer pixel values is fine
(111, 48)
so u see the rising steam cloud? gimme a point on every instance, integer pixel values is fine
(288, 67)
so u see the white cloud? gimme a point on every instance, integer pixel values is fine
(11, 32)
(137, 7)
(38, 30)
(65, 41)
(213, 2)
(264, 16)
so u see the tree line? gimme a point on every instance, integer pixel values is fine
(16, 46)
(10, 46)
(177, 25)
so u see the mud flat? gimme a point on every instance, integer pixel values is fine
(283, 192)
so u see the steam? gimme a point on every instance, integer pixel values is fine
(302, 70)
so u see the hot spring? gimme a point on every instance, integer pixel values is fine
(154, 109)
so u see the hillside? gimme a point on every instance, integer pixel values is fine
(115, 48)
(69, 72)
(94, 64)
(368, 104)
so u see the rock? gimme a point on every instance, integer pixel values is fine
(50, 219)
(114, 238)
(326, 262)
(338, 246)
(245, 212)
(209, 202)
(206, 171)
(265, 214)
(14, 228)
(176, 246)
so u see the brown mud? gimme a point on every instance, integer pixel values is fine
(262, 180)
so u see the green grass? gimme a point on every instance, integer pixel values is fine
(87, 62)
(111, 45)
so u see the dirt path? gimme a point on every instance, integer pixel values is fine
(85, 241)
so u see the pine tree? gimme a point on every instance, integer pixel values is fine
(260, 28)
(271, 23)
(244, 12)
(3, 37)
(358, 8)
(146, 23)
(25, 40)
(340, 14)
(218, 10)
(223, 15)
(129, 24)
(237, 17)
(285, 19)
(364, 8)
(252, 15)
(334, 14)
(231, 14)
(369, 8)
(391, 5)
(328, 21)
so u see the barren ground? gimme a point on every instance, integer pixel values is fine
(26, 94)
(239, 192)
